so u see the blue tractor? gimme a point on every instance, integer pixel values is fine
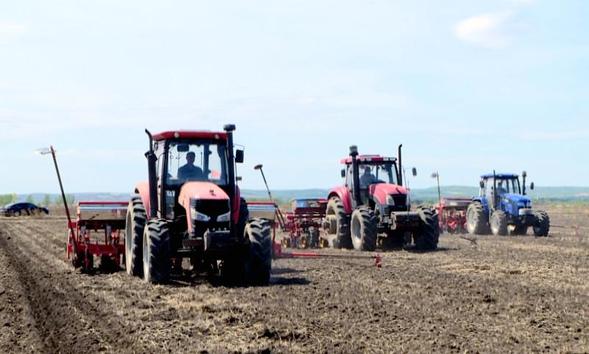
(502, 208)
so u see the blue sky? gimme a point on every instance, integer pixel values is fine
(466, 86)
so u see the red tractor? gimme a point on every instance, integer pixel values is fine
(190, 209)
(374, 209)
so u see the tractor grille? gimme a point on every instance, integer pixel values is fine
(212, 208)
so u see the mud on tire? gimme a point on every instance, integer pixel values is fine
(363, 229)
(542, 225)
(135, 225)
(156, 252)
(259, 260)
(335, 209)
(476, 219)
(499, 223)
(426, 238)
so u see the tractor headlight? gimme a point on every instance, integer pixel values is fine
(390, 200)
(224, 217)
(198, 216)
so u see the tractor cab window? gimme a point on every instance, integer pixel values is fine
(508, 186)
(190, 161)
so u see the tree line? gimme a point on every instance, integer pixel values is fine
(48, 200)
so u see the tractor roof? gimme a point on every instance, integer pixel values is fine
(366, 159)
(190, 134)
(500, 175)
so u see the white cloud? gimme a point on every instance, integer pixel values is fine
(487, 30)
(11, 29)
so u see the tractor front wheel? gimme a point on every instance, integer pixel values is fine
(426, 238)
(259, 260)
(542, 224)
(499, 223)
(476, 221)
(363, 229)
(335, 210)
(135, 225)
(156, 252)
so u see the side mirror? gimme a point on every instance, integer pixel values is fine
(239, 156)
(414, 172)
(238, 178)
(482, 184)
(532, 186)
(343, 173)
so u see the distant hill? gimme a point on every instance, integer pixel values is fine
(563, 194)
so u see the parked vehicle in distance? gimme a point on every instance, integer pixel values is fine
(23, 208)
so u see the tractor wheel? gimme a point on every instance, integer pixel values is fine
(520, 230)
(426, 238)
(542, 224)
(363, 229)
(156, 252)
(136, 218)
(259, 260)
(476, 219)
(335, 210)
(499, 223)
(314, 237)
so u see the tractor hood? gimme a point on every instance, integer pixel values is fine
(521, 200)
(200, 190)
(380, 191)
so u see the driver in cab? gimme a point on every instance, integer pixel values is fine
(189, 171)
(367, 178)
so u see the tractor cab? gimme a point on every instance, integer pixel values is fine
(192, 167)
(504, 191)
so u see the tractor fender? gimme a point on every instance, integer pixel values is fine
(199, 190)
(142, 188)
(380, 191)
(344, 195)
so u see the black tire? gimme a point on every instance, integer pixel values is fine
(363, 229)
(314, 237)
(476, 219)
(335, 209)
(259, 260)
(520, 230)
(542, 225)
(426, 238)
(499, 223)
(136, 219)
(156, 252)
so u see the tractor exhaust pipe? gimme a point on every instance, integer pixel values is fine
(229, 129)
(524, 175)
(356, 174)
(152, 176)
(400, 160)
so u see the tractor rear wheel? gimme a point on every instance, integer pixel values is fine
(542, 224)
(335, 210)
(259, 260)
(363, 229)
(499, 223)
(156, 252)
(426, 238)
(476, 219)
(136, 218)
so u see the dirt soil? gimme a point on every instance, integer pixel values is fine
(486, 294)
